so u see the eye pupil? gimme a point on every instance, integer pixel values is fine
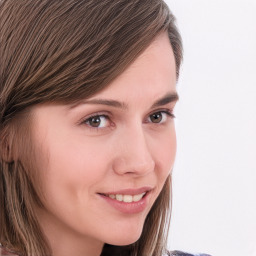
(95, 121)
(156, 118)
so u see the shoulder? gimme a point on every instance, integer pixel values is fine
(179, 253)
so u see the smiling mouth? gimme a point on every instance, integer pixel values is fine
(126, 198)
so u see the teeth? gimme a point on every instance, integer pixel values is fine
(119, 197)
(137, 198)
(127, 198)
(112, 196)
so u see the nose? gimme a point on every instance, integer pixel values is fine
(133, 154)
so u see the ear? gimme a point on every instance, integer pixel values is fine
(6, 141)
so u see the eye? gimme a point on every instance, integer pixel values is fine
(98, 121)
(160, 117)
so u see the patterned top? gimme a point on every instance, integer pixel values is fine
(3, 252)
(179, 253)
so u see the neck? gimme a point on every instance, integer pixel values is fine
(66, 246)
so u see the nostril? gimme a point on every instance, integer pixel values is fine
(132, 168)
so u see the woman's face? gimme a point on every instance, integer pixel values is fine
(104, 161)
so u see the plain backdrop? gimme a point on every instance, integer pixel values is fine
(214, 178)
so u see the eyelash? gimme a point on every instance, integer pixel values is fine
(86, 121)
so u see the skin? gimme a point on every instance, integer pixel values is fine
(128, 150)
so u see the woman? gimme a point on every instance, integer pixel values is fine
(87, 133)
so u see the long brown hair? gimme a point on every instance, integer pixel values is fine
(63, 51)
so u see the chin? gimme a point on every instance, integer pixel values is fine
(125, 238)
(124, 242)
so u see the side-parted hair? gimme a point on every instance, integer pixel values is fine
(64, 51)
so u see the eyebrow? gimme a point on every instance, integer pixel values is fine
(168, 98)
(106, 102)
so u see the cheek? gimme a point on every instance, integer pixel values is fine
(164, 150)
(71, 167)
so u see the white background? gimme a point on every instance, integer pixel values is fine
(214, 178)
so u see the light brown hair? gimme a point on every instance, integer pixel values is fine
(64, 51)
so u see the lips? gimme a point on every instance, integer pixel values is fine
(136, 191)
(128, 200)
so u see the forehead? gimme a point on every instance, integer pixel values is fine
(153, 73)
